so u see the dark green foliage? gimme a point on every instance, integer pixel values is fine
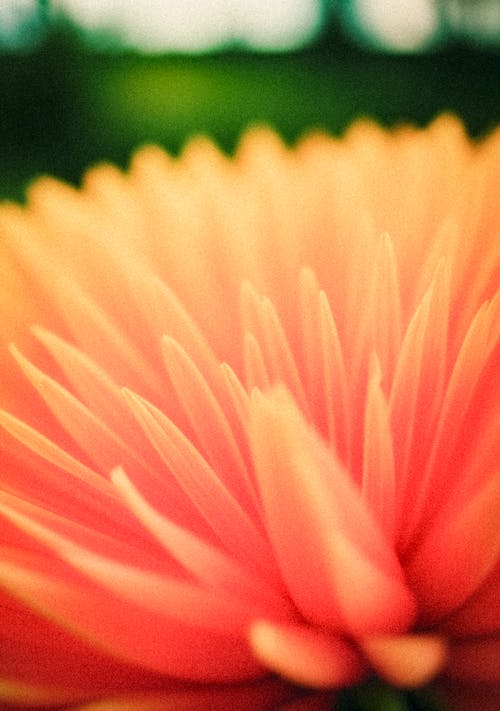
(63, 109)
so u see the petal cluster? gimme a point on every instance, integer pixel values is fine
(249, 447)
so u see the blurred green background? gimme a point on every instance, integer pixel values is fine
(65, 106)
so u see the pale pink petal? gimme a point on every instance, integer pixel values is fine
(92, 385)
(386, 305)
(73, 488)
(68, 485)
(102, 338)
(441, 467)
(256, 372)
(160, 594)
(324, 365)
(293, 355)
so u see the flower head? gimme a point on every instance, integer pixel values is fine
(249, 446)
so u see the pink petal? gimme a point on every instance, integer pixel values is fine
(156, 593)
(416, 390)
(92, 385)
(457, 553)
(45, 665)
(447, 452)
(237, 531)
(408, 661)
(339, 569)
(103, 446)
(209, 565)
(306, 655)
(27, 518)
(139, 631)
(325, 373)
(209, 422)
(479, 614)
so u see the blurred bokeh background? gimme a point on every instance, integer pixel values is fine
(82, 81)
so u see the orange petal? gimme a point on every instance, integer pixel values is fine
(340, 570)
(407, 661)
(458, 552)
(126, 629)
(306, 655)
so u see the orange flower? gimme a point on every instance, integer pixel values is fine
(249, 426)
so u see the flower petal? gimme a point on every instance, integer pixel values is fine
(479, 614)
(259, 317)
(457, 552)
(237, 530)
(67, 668)
(379, 476)
(266, 695)
(306, 655)
(408, 661)
(339, 569)
(209, 565)
(208, 421)
(324, 365)
(102, 445)
(140, 631)
(416, 390)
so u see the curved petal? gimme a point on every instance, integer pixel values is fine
(306, 656)
(462, 546)
(337, 565)
(208, 564)
(479, 614)
(475, 661)
(407, 661)
(266, 695)
(130, 630)
(44, 665)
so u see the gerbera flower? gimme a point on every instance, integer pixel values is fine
(249, 451)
